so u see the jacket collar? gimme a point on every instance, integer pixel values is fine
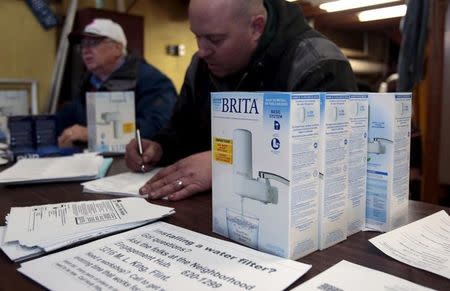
(285, 22)
(124, 78)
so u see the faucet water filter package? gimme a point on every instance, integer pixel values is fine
(357, 162)
(333, 168)
(265, 170)
(111, 120)
(388, 160)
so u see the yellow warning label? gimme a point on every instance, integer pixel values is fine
(128, 127)
(223, 150)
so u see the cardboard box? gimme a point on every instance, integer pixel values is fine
(22, 142)
(34, 136)
(388, 160)
(333, 168)
(111, 120)
(265, 170)
(46, 141)
(357, 162)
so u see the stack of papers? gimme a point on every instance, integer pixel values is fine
(161, 256)
(125, 184)
(79, 167)
(34, 230)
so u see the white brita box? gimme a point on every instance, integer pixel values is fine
(388, 160)
(264, 170)
(357, 161)
(333, 168)
(111, 120)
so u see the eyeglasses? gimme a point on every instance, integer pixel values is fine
(91, 41)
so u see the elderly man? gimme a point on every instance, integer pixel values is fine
(243, 45)
(110, 68)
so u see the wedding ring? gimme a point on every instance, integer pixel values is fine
(179, 184)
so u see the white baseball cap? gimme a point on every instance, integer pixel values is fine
(102, 27)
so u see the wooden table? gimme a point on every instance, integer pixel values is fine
(195, 214)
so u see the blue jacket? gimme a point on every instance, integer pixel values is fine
(154, 93)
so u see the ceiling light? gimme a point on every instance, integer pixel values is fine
(350, 4)
(382, 13)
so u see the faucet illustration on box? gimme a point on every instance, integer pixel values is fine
(402, 109)
(243, 227)
(335, 113)
(116, 119)
(358, 109)
(306, 114)
(243, 182)
(378, 145)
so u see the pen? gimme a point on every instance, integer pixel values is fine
(141, 152)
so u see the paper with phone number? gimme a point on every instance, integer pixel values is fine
(161, 256)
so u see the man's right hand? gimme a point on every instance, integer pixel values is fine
(152, 153)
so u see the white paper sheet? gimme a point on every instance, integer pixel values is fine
(125, 184)
(17, 252)
(14, 251)
(38, 225)
(352, 277)
(161, 256)
(424, 244)
(70, 168)
(65, 241)
(51, 229)
(3, 161)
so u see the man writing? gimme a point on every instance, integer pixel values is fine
(243, 45)
(110, 68)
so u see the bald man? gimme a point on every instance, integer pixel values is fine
(243, 45)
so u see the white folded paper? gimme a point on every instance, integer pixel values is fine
(125, 184)
(161, 256)
(37, 229)
(352, 277)
(79, 167)
(424, 244)
(15, 251)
